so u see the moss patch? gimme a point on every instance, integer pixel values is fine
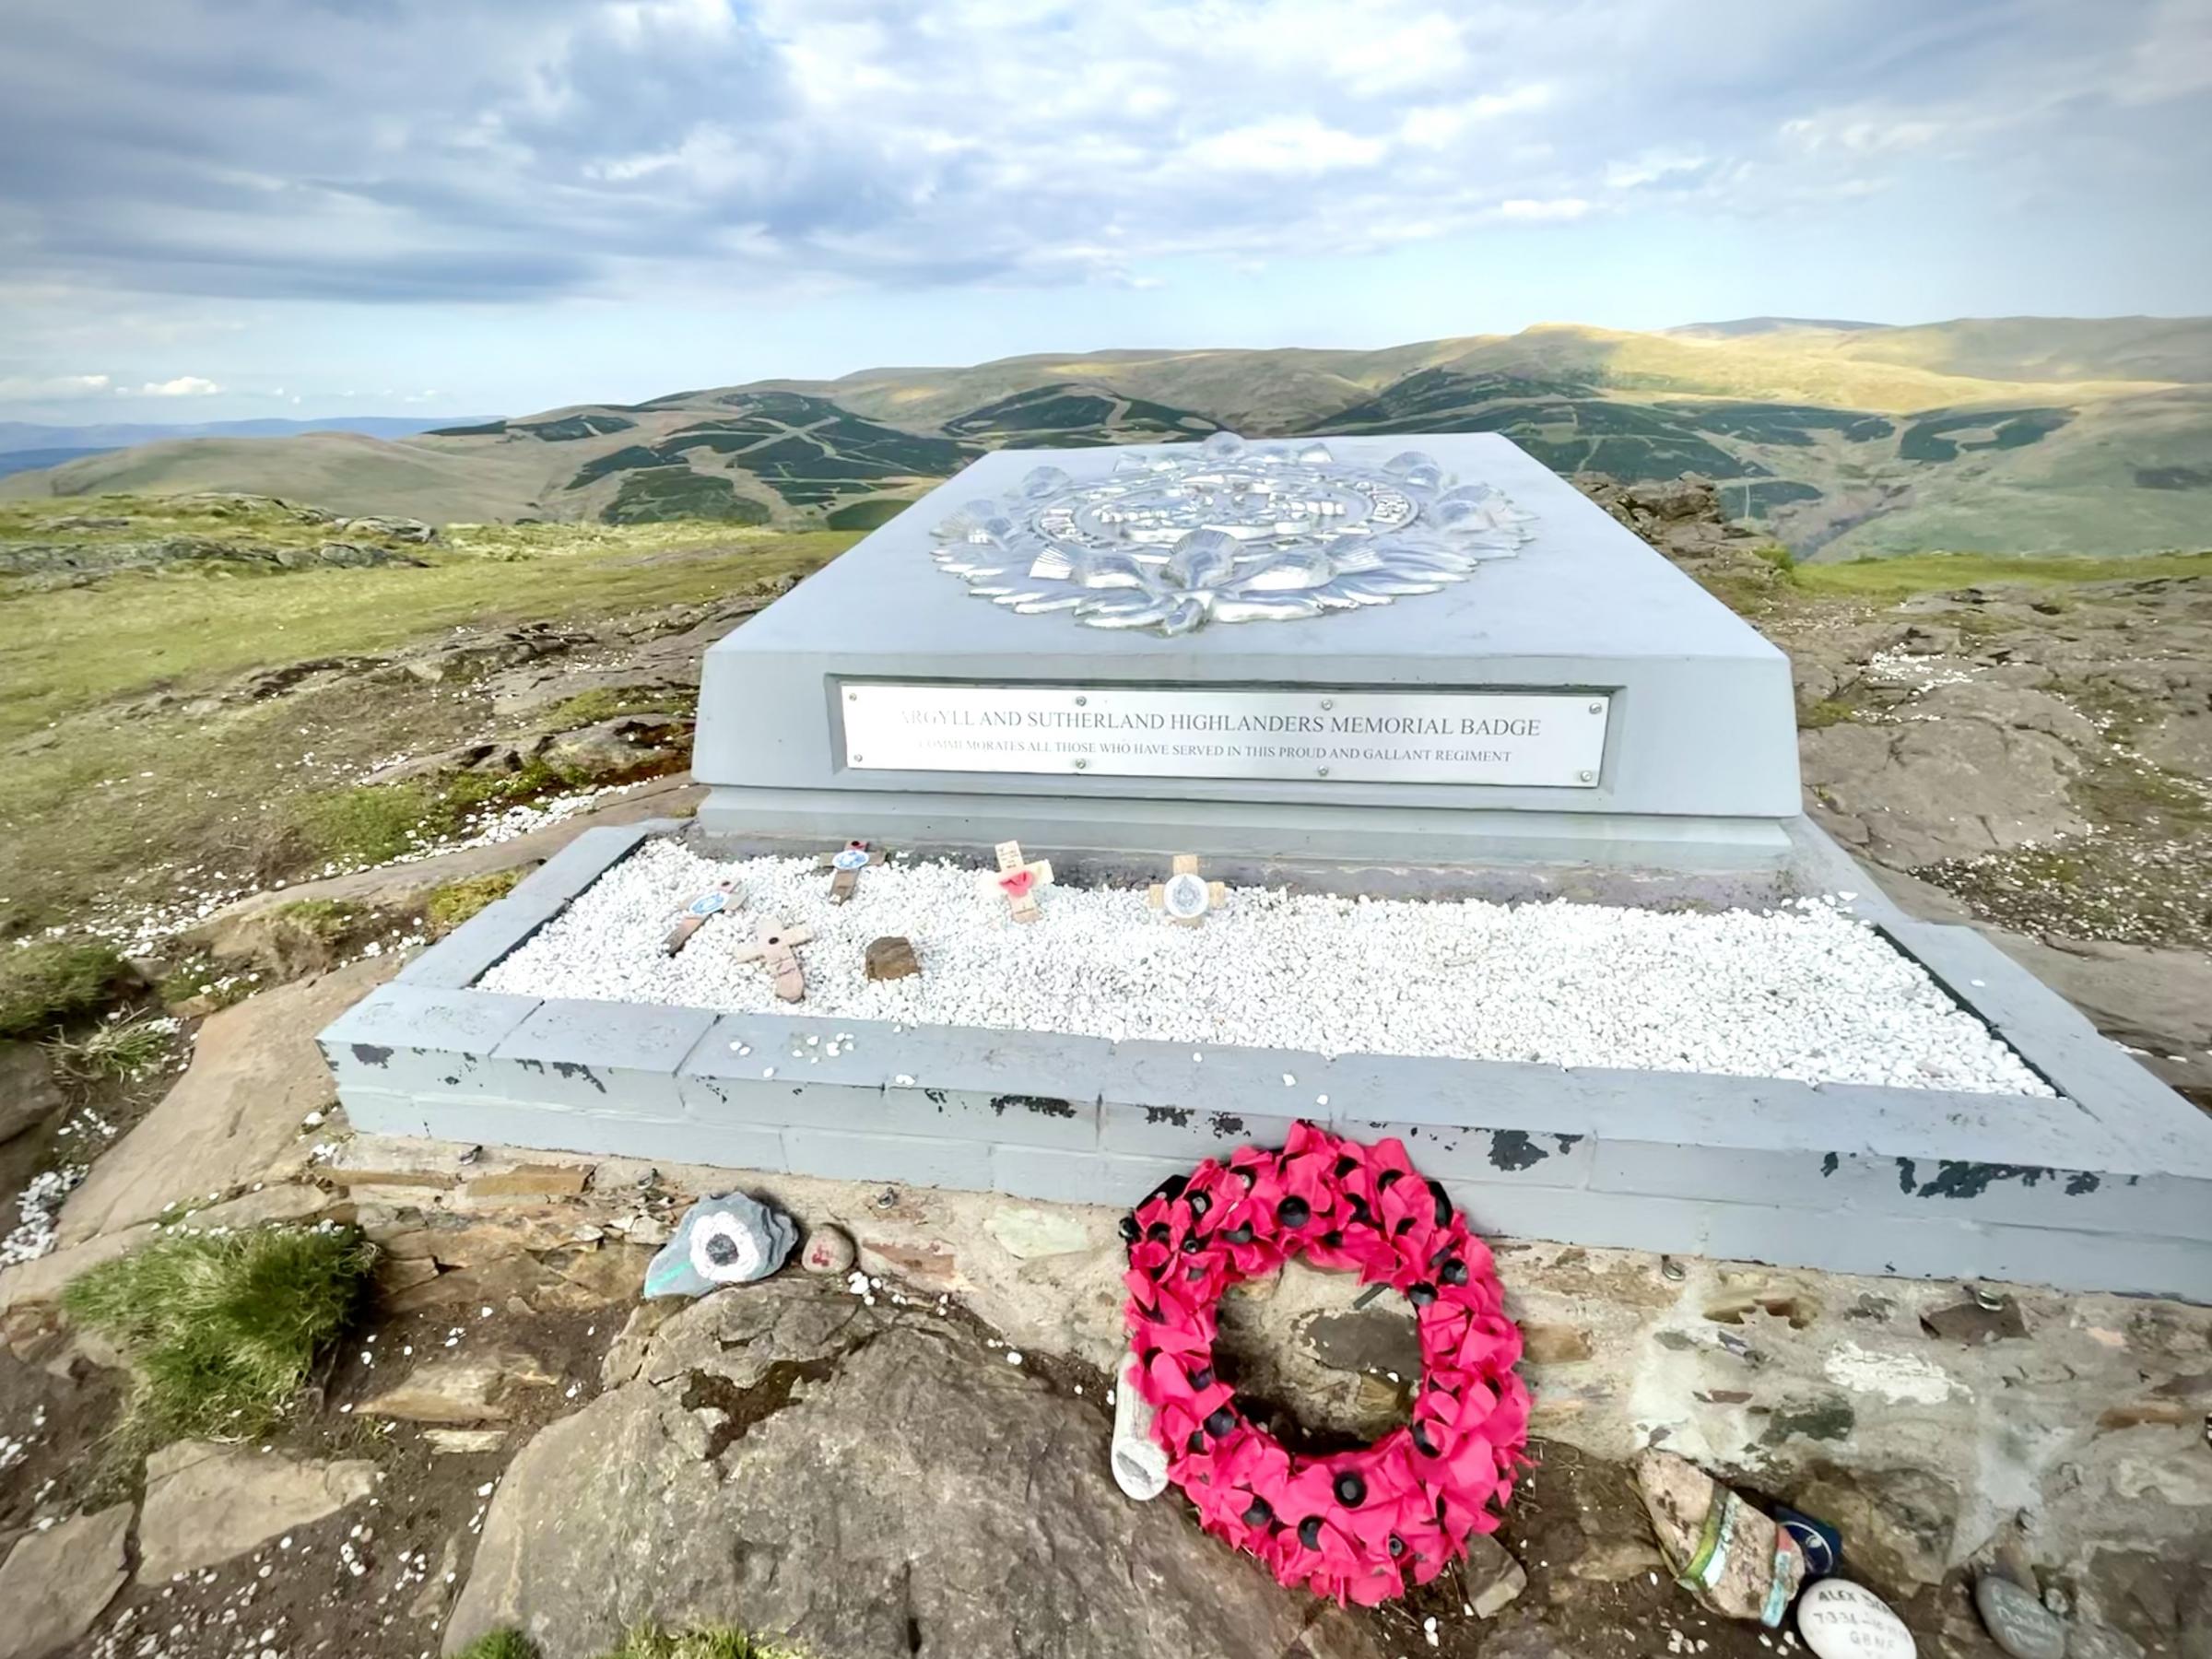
(456, 901)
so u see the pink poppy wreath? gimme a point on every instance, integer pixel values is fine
(1354, 1525)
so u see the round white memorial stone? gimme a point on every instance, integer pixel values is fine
(1840, 1620)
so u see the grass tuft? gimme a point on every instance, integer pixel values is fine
(499, 1644)
(221, 1328)
(456, 901)
(50, 984)
(122, 1049)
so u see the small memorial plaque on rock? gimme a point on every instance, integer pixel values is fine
(1843, 1620)
(2020, 1624)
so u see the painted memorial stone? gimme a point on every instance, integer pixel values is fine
(2016, 1621)
(1843, 1620)
(1823, 1546)
(1735, 1561)
(731, 1240)
(1228, 532)
(829, 1251)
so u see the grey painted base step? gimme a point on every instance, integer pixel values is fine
(2107, 1187)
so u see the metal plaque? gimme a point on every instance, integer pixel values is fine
(1544, 739)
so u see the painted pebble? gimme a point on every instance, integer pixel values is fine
(829, 1250)
(1842, 1620)
(2016, 1621)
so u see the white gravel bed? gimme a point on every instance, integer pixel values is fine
(1802, 991)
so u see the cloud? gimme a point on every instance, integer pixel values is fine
(490, 153)
(51, 388)
(184, 385)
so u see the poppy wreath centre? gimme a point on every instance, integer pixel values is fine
(1357, 1526)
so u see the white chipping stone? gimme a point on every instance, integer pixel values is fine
(1802, 991)
(1840, 1620)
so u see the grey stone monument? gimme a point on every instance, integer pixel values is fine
(1430, 649)
(1416, 666)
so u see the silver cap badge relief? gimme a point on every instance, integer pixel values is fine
(1227, 531)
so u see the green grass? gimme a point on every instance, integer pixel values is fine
(647, 1642)
(456, 901)
(220, 1329)
(369, 823)
(1912, 573)
(46, 985)
(66, 650)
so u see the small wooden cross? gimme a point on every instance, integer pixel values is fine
(771, 947)
(848, 863)
(1185, 897)
(1018, 879)
(696, 915)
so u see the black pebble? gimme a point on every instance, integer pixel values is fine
(1332, 1238)
(1221, 1422)
(1309, 1532)
(1158, 1233)
(1421, 1295)
(1131, 1232)
(1240, 1234)
(1202, 1377)
(1351, 1491)
(1294, 1212)
(1454, 1273)
(1260, 1513)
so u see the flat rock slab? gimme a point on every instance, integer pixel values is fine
(474, 1388)
(54, 1583)
(255, 1073)
(28, 1095)
(206, 1503)
(862, 1481)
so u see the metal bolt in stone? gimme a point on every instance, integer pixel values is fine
(1328, 702)
(1988, 1300)
(1586, 775)
(1081, 764)
(1672, 1271)
(1321, 771)
(1597, 707)
(1081, 701)
(852, 697)
(887, 1198)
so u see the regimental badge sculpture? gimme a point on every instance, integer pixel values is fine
(1227, 532)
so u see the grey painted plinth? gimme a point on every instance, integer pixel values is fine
(2108, 1187)
(1700, 753)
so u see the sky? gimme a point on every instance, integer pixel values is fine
(223, 209)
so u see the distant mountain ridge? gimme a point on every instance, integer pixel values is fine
(2008, 435)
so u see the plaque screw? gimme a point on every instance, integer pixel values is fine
(1586, 775)
(1080, 701)
(858, 759)
(852, 697)
(1081, 764)
(1321, 771)
(1328, 702)
(1597, 707)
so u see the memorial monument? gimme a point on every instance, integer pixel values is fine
(1429, 651)
(1076, 694)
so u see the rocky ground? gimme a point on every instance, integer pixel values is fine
(875, 1473)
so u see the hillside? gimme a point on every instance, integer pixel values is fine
(1843, 440)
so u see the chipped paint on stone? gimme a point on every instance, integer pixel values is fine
(1900, 1377)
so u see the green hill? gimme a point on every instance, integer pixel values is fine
(2000, 435)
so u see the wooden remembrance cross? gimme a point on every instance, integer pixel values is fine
(1020, 881)
(1185, 897)
(771, 947)
(848, 863)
